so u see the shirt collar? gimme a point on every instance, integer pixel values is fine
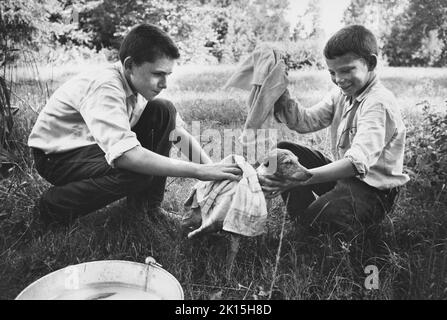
(127, 87)
(372, 82)
(353, 102)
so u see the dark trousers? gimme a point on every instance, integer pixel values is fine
(348, 205)
(83, 181)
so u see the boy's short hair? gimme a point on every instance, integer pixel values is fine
(354, 39)
(147, 43)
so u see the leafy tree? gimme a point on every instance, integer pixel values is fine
(314, 12)
(74, 29)
(239, 25)
(410, 32)
(377, 15)
(23, 24)
(355, 12)
(35, 23)
(299, 31)
(309, 24)
(240, 38)
(109, 21)
(268, 19)
(419, 36)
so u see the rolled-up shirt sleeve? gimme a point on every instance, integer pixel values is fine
(369, 140)
(304, 120)
(105, 114)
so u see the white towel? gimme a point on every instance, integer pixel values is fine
(235, 206)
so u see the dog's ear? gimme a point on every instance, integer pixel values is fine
(290, 160)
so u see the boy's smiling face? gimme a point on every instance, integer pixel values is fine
(350, 73)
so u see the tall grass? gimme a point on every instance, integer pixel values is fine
(410, 249)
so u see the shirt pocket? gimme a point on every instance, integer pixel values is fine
(346, 138)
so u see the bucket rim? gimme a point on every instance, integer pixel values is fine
(135, 263)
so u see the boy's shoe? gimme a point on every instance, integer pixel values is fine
(42, 221)
(135, 203)
(168, 221)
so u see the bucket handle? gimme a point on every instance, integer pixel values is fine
(151, 261)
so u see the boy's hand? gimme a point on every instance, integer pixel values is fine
(219, 171)
(274, 186)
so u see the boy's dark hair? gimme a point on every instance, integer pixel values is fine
(147, 43)
(354, 39)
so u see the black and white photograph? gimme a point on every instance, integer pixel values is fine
(223, 155)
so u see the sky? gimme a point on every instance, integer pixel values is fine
(332, 13)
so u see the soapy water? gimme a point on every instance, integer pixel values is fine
(108, 291)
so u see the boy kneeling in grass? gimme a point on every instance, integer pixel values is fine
(368, 140)
(103, 136)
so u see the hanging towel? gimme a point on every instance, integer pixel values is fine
(234, 206)
(264, 73)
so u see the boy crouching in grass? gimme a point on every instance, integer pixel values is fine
(359, 187)
(104, 135)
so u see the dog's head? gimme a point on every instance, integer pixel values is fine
(283, 164)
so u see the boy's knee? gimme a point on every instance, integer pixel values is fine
(294, 147)
(163, 106)
(299, 150)
(340, 215)
(328, 219)
(285, 145)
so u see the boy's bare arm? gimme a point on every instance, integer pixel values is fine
(144, 161)
(340, 169)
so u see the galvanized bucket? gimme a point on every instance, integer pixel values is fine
(106, 280)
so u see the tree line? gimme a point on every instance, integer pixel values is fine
(410, 32)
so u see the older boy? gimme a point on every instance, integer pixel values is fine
(368, 139)
(102, 136)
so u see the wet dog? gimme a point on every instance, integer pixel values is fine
(280, 163)
(283, 164)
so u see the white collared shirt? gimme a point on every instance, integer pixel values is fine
(92, 107)
(373, 138)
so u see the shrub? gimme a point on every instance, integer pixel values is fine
(427, 149)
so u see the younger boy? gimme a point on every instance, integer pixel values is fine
(367, 136)
(103, 136)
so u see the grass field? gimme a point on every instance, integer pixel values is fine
(410, 251)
